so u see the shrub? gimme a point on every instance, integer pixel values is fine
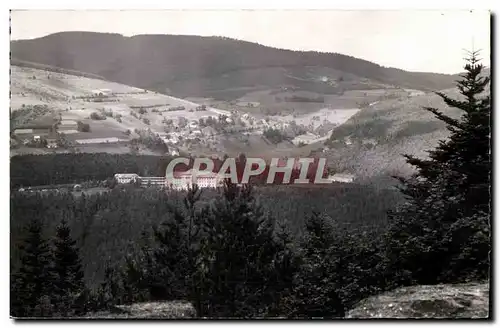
(82, 127)
(97, 116)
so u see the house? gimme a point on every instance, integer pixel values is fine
(21, 132)
(126, 177)
(210, 180)
(51, 143)
(181, 181)
(341, 177)
(65, 125)
(41, 128)
(101, 92)
(99, 140)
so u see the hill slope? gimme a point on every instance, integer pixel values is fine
(40, 97)
(371, 143)
(205, 66)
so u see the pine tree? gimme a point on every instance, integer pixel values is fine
(448, 206)
(162, 269)
(237, 257)
(286, 266)
(464, 160)
(317, 283)
(67, 272)
(32, 281)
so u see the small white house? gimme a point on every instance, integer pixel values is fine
(126, 177)
(101, 92)
(342, 177)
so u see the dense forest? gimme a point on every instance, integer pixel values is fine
(106, 224)
(33, 170)
(196, 66)
(263, 251)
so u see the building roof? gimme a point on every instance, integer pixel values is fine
(189, 173)
(343, 175)
(99, 140)
(152, 178)
(23, 131)
(46, 122)
(126, 175)
(68, 122)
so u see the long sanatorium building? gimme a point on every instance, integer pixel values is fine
(182, 181)
(185, 180)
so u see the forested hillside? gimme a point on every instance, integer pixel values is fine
(34, 170)
(197, 66)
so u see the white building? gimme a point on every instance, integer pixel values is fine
(182, 181)
(185, 180)
(152, 181)
(126, 177)
(101, 92)
(342, 177)
(99, 140)
(211, 180)
(23, 131)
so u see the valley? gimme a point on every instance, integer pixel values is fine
(360, 123)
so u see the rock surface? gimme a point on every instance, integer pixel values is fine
(432, 301)
(150, 310)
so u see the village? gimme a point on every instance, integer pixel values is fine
(180, 129)
(129, 119)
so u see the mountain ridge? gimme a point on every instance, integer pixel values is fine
(194, 65)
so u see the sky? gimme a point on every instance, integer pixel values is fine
(414, 40)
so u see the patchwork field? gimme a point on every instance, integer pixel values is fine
(73, 99)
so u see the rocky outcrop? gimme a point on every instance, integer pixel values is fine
(432, 301)
(149, 310)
